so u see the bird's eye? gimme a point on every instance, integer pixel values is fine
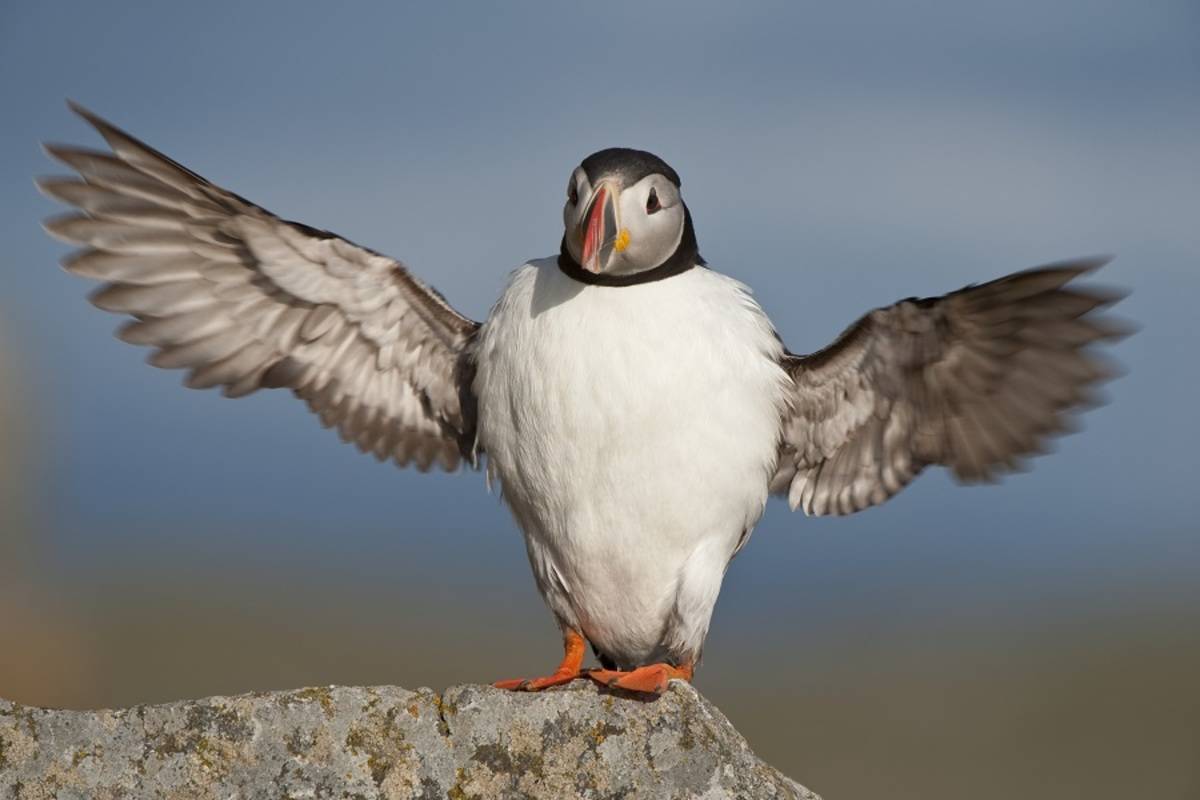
(652, 204)
(573, 193)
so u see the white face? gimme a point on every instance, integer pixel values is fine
(619, 230)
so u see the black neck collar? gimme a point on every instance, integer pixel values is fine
(685, 257)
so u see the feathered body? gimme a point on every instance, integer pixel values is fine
(589, 399)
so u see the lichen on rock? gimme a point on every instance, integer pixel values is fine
(388, 742)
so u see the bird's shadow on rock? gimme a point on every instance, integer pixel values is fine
(628, 694)
(616, 691)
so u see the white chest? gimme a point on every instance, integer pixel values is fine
(627, 427)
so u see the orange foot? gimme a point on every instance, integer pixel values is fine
(651, 679)
(568, 670)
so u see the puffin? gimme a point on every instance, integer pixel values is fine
(634, 407)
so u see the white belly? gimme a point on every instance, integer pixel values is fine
(633, 431)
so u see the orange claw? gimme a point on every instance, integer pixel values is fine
(568, 670)
(650, 679)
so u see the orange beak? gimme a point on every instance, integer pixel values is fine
(599, 231)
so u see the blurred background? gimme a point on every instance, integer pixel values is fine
(1038, 639)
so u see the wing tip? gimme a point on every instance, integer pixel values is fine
(54, 149)
(58, 227)
(1094, 262)
(91, 117)
(1068, 269)
(39, 183)
(1117, 329)
(1080, 265)
(51, 186)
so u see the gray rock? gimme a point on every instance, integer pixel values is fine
(387, 742)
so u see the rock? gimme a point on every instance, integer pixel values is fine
(388, 742)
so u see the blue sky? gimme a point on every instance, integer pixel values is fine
(835, 157)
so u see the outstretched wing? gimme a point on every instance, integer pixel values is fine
(245, 300)
(974, 380)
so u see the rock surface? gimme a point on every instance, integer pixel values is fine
(388, 742)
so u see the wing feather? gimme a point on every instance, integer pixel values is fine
(975, 380)
(245, 300)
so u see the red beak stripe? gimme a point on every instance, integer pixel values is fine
(595, 231)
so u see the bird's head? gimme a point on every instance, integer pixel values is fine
(624, 216)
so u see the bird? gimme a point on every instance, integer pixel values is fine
(634, 407)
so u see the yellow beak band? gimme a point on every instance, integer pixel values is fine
(622, 240)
